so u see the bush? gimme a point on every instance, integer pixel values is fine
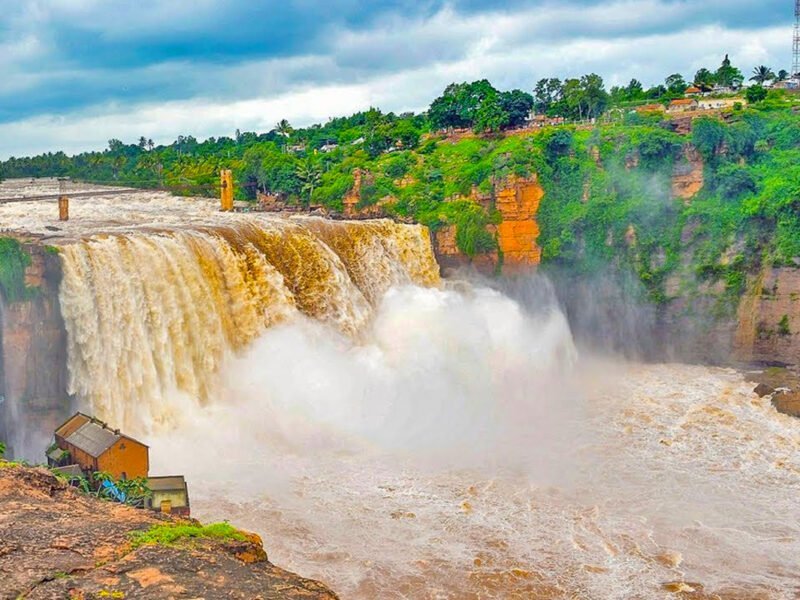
(783, 326)
(755, 94)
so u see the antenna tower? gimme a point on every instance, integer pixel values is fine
(796, 60)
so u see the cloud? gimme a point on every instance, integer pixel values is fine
(77, 72)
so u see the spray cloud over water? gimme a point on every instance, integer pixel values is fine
(396, 437)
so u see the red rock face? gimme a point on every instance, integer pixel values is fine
(518, 203)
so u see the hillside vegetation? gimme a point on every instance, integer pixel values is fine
(606, 172)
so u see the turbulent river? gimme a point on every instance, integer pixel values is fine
(397, 436)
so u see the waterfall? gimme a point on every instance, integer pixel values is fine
(151, 315)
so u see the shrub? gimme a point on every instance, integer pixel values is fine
(783, 326)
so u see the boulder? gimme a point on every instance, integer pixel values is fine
(762, 389)
(787, 403)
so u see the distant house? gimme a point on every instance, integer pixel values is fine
(329, 147)
(693, 91)
(93, 446)
(296, 148)
(719, 103)
(789, 84)
(682, 105)
(170, 495)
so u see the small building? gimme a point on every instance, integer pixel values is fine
(682, 105)
(788, 84)
(329, 147)
(170, 495)
(94, 446)
(719, 103)
(693, 91)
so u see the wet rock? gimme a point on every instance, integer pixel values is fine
(58, 543)
(787, 403)
(762, 389)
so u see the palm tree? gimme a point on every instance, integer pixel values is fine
(762, 74)
(310, 176)
(284, 128)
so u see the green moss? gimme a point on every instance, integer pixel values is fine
(173, 533)
(13, 262)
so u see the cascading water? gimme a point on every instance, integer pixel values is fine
(151, 316)
(400, 437)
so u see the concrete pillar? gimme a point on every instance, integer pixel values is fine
(63, 208)
(226, 189)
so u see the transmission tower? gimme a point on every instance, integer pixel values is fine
(796, 61)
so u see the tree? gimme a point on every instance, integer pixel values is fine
(142, 143)
(115, 146)
(727, 75)
(762, 74)
(490, 116)
(783, 75)
(458, 106)
(635, 90)
(704, 80)
(546, 94)
(755, 93)
(590, 95)
(517, 105)
(676, 84)
(310, 177)
(150, 144)
(284, 129)
(656, 92)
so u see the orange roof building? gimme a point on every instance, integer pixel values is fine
(94, 446)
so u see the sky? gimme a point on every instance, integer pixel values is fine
(76, 73)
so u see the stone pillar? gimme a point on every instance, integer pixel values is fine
(226, 190)
(63, 208)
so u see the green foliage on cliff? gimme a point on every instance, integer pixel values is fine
(607, 175)
(172, 533)
(13, 262)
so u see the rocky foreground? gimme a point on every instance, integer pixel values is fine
(58, 543)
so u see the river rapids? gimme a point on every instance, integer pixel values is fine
(399, 436)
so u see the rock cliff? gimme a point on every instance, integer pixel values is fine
(33, 365)
(517, 203)
(687, 176)
(769, 318)
(58, 543)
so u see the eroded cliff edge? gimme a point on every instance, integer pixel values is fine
(56, 542)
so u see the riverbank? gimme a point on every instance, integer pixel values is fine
(58, 543)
